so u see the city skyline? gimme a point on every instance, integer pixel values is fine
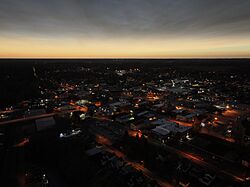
(118, 29)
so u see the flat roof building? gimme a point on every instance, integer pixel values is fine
(166, 129)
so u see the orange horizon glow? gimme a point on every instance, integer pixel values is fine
(28, 47)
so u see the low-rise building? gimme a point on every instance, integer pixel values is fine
(167, 129)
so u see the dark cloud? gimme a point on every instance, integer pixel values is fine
(127, 18)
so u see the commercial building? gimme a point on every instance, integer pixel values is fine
(166, 130)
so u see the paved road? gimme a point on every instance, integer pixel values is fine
(14, 121)
(108, 146)
(217, 135)
(204, 161)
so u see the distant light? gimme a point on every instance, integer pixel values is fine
(83, 116)
(179, 107)
(61, 135)
(229, 131)
(188, 137)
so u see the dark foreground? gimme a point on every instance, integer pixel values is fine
(120, 122)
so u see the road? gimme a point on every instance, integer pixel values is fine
(200, 159)
(217, 135)
(108, 147)
(19, 120)
(204, 161)
(182, 123)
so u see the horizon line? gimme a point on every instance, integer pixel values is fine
(118, 58)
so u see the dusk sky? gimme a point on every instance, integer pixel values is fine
(124, 28)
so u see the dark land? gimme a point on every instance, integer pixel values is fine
(124, 122)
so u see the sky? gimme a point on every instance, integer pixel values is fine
(124, 28)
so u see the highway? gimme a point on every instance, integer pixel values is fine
(30, 118)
